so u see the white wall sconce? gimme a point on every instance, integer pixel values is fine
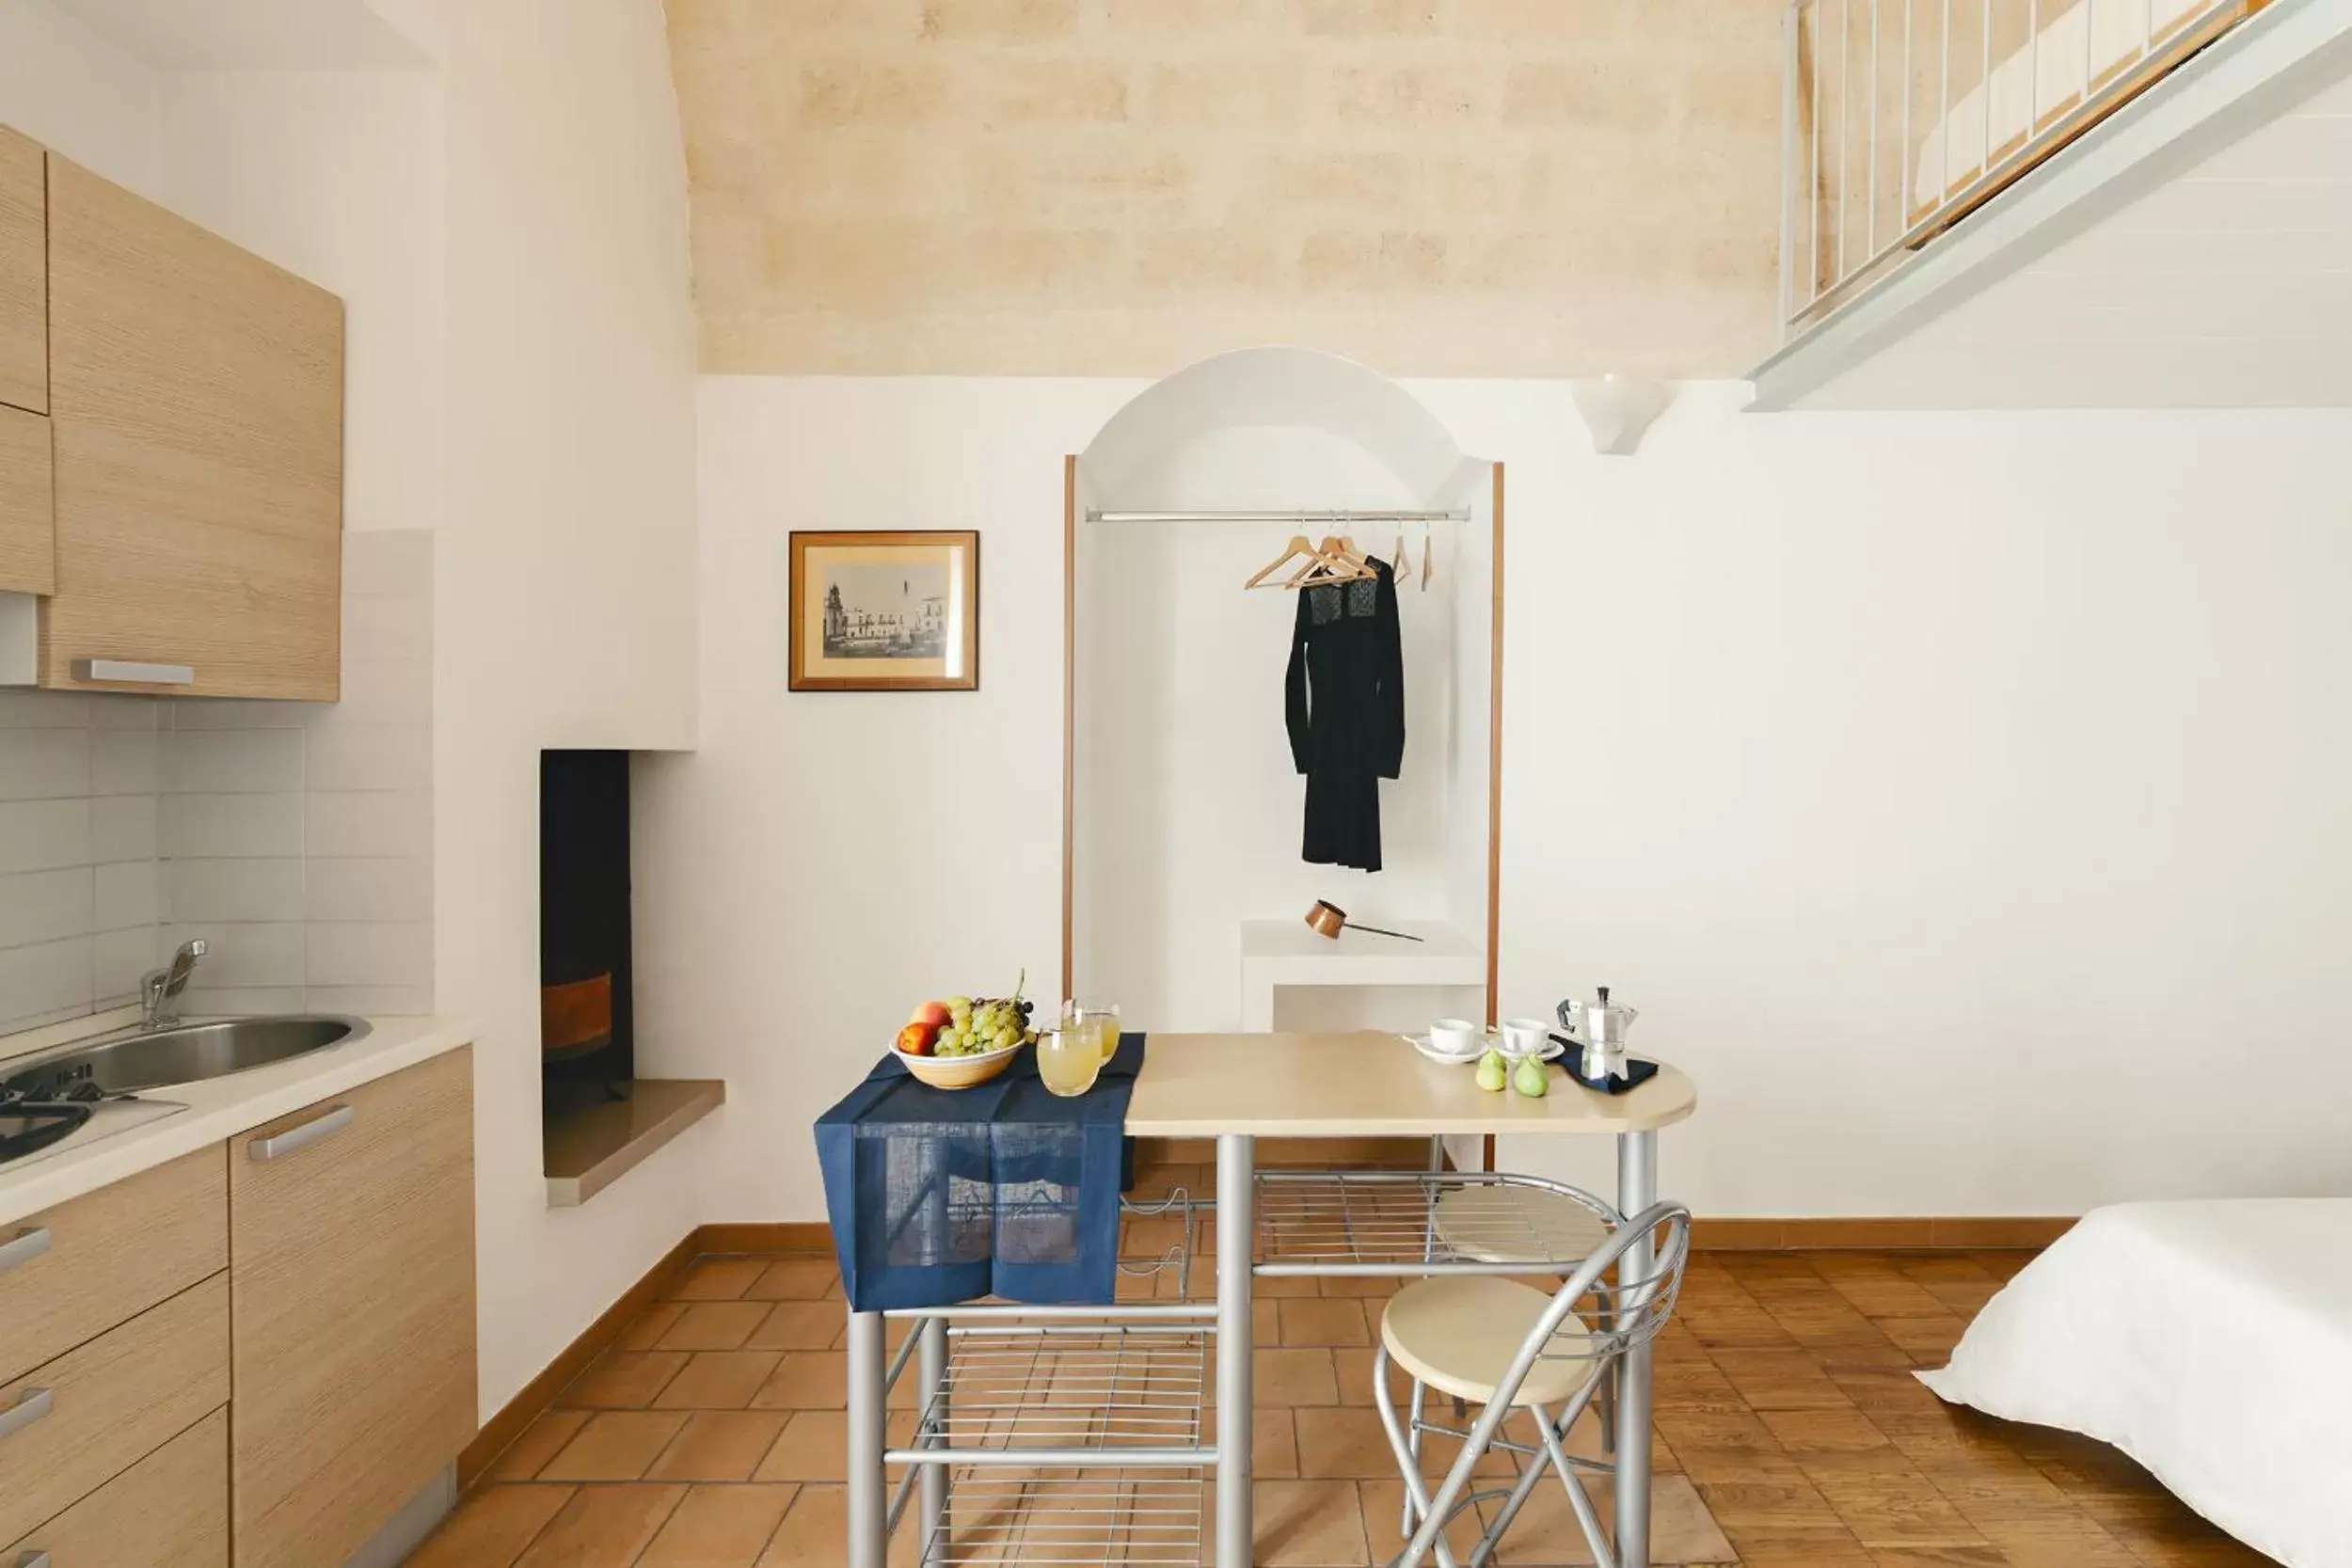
(1617, 409)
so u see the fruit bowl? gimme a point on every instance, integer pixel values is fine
(960, 1073)
(940, 1043)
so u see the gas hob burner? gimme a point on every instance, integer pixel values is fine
(29, 1126)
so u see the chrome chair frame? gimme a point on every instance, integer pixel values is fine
(1625, 1314)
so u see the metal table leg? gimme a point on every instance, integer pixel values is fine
(869, 1494)
(932, 1394)
(1637, 1189)
(1236, 1190)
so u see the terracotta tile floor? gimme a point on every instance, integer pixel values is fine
(1784, 1401)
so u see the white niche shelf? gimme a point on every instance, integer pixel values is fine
(1278, 953)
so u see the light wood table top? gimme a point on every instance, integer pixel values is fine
(1367, 1084)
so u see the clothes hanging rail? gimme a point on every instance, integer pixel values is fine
(1303, 519)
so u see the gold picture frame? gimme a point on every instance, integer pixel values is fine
(885, 611)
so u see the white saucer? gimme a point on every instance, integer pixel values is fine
(1551, 1050)
(1429, 1047)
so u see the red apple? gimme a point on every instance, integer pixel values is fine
(932, 1013)
(916, 1039)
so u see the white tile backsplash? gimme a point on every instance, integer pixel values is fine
(231, 762)
(121, 958)
(126, 762)
(366, 1000)
(243, 953)
(294, 837)
(388, 626)
(127, 895)
(197, 891)
(43, 835)
(389, 563)
(387, 690)
(369, 823)
(338, 755)
(216, 827)
(370, 953)
(42, 980)
(381, 888)
(236, 713)
(44, 906)
(200, 999)
(45, 764)
(123, 828)
(41, 710)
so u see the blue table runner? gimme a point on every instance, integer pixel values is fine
(945, 1195)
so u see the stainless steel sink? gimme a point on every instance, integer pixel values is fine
(184, 1054)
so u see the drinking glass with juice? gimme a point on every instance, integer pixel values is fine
(1068, 1060)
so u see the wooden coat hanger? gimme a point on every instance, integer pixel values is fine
(1333, 562)
(1399, 567)
(1292, 551)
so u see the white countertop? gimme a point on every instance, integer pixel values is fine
(221, 1108)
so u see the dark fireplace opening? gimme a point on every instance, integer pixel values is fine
(587, 1046)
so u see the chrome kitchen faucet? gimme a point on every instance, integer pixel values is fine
(160, 988)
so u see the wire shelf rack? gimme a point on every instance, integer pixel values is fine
(1421, 1222)
(1067, 1519)
(1054, 1416)
(1083, 1386)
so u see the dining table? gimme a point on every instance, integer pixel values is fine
(1237, 1089)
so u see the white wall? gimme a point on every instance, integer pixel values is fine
(565, 610)
(71, 88)
(1923, 779)
(827, 860)
(1961, 771)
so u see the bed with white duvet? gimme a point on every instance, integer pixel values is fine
(2211, 1341)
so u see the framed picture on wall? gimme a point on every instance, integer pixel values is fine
(885, 611)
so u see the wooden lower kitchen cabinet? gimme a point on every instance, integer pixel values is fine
(73, 1272)
(76, 1422)
(168, 1510)
(352, 1283)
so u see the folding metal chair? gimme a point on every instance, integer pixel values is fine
(1491, 1341)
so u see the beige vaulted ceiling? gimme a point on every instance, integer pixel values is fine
(1436, 187)
(1122, 186)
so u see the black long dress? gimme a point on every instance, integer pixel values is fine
(1343, 699)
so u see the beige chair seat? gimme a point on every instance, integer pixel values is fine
(1459, 1335)
(1518, 1225)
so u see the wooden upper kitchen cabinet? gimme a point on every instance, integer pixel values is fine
(23, 276)
(196, 398)
(28, 531)
(351, 1274)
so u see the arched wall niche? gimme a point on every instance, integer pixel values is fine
(1182, 883)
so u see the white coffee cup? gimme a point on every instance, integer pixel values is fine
(1524, 1037)
(1456, 1037)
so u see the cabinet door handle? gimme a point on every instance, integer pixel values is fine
(303, 1136)
(30, 1407)
(23, 1247)
(133, 672)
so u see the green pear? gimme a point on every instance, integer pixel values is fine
(1491, 1072)
(1530, 1078)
